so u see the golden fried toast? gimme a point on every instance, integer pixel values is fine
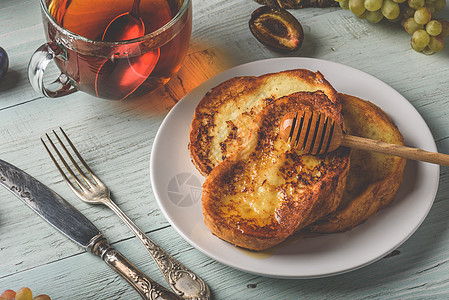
(223, 118)
(264, 191)
(374, 178)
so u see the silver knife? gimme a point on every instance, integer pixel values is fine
(68, 220)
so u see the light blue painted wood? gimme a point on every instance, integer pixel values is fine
(116, 138)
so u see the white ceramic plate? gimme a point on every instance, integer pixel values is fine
(177, 184)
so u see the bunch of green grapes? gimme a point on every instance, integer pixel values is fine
(416, 16)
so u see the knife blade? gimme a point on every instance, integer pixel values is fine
(67, 219)
(48, 204)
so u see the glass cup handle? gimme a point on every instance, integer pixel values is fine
(36, 68)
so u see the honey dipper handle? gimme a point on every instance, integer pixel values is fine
(393, 149)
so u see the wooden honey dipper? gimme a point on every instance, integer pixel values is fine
(314, 133)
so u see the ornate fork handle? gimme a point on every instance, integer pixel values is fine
(145, 286)
(181, 280)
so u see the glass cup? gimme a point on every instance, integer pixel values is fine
(114, 70)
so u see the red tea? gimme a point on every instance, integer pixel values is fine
(126, 69)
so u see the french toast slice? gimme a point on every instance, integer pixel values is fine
(223, 118)
(265, 190)
(373, 178)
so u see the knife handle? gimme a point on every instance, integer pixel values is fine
(145, 286)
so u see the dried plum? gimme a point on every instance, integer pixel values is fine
(276, 28)
(4, 62)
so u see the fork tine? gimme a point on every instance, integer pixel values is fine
(75, 178)
(81, 159)
(72, 187)
(68, 153)
(54, 160)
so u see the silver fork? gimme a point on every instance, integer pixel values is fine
(91, 189)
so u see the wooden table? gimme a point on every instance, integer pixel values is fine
(117, 138)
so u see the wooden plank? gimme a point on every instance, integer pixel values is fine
(409, 272)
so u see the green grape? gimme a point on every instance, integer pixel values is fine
(396, 20)
(434, 27)
(420, 38)
(428, 51)
(436, 43)
(411, 26)
(390, 9)
(416, 48)
(344, 4)
(357, 7)
(407, 12)
(422, 15)
(416, 3)
(440, 5)
(445, 28)
(362, 16)
(415, 16)
(24, 294)
(373, 5)
(42, 297)
(374, 16)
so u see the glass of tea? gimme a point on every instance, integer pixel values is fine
(115, 49)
